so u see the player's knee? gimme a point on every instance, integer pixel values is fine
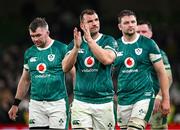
(136, 124)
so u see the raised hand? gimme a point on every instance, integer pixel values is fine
(77, 38)
(87, 33)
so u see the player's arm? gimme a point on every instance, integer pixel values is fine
(169, 73)
(170, 80)
(70, 59)
(22, 89)
(164, 85)
(167, 68)
(72, 72)
(105, 56)
(23, 85)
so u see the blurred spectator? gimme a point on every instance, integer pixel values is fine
(5, 104)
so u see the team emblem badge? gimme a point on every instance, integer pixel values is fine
(51, 57)
(138, 51)
(129, 62)
(89, 61)
(41, 68)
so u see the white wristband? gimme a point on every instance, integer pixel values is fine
(159, 97)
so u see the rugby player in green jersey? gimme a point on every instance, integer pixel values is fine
(43, 72)
(92, 55)
(158, 121)
(137, 55)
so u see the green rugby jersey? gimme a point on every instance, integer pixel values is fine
(93, 79)
(154, 75)
(45, 68)
(134, 64)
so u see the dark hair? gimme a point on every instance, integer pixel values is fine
(38, 22)
(125, 13)
(145, 22)
(87, 11)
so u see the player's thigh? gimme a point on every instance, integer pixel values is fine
(57, 112)
(123, 115)
(37, 115)
(141, 113)
(80, 115)
(103, 116)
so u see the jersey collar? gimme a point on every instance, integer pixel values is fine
(46, 47)
(135, 40)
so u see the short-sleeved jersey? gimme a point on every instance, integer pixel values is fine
(93, 79)
(154, 75)
(46, 74)
(134, 64)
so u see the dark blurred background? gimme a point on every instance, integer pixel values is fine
(63, 16)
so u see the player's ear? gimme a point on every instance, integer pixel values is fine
(81, 25)
(48, 32)
(151, 33)
(119, 26)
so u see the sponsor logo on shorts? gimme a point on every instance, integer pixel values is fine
(31, 121)
(76, 122)
(110, 126)
(141, 112)
(61, 121)
(120, 120)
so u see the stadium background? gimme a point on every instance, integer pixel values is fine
(63, 16)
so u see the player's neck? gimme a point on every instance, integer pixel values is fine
(130, 38)
(49, 41)
(95, 35)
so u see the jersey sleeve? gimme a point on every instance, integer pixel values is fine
(70, 47)
(111, 44)
(154, 51)
(64, 50)
(165, 60)
(26, 60)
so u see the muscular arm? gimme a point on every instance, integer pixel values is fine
(170, 79)
(169, 73)
(22, 89)
(23, 85)
(72, 73)
(164, 84)
(69, 60)
(105, 56)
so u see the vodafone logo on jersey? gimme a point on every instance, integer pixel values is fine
(129, 62)
(41, 68)
(89, 61)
